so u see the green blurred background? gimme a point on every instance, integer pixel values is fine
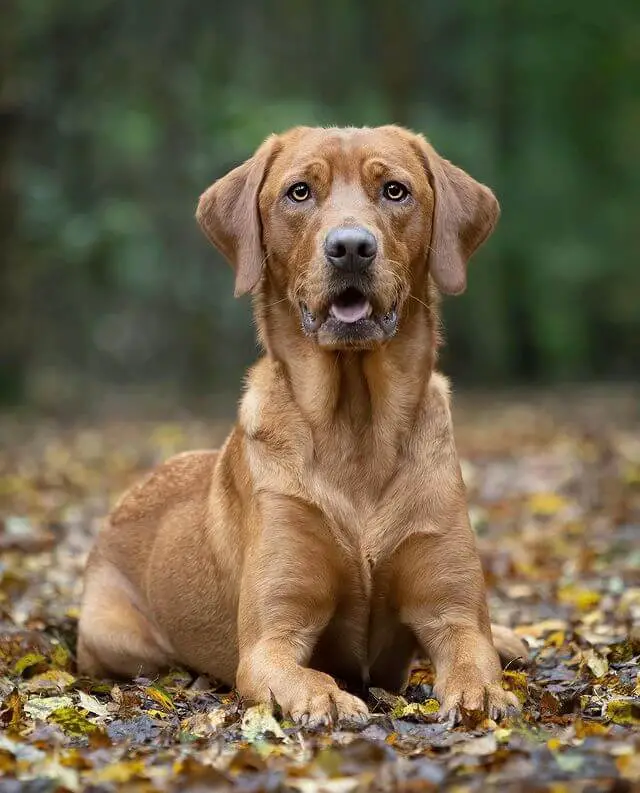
(115, 115)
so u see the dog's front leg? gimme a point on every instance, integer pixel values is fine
(442, 598)
(289, 593)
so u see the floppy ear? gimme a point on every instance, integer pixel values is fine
(229, 215)
(464, 215)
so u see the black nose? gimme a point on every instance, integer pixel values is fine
(350, 249)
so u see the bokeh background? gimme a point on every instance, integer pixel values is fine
(114, 116)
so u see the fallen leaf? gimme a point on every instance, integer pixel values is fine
(160, 696)
(570, 762)
(578, 597)
(53, 680)
(11, 712)
(629, 767)
(204, 724)
(28, 661)
(92, 705)
(259, 721)
(479, 747)
(621, 652)
(596, 664)
(557, 527)
(410, 710)
(588, 729)
(43, 707)
(72, 721)
(546, 504)
(517, 683)
(624, 711)
(120, 773)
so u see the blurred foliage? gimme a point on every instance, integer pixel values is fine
(114, 117)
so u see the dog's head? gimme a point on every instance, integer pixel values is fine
(348, 223)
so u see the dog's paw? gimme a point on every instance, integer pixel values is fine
(490, 698)
(329, 707)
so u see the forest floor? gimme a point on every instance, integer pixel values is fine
(554, 489)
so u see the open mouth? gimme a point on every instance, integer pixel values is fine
(350, 306)
(350, 319)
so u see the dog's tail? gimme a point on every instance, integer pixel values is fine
(511, 649)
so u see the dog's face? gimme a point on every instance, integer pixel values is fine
(348, 223)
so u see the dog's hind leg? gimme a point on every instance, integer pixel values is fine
(115, 639)
(511, 649)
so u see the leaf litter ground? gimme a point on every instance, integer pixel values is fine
(554, 489)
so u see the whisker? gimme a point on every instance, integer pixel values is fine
(422, 303)
(270, 305)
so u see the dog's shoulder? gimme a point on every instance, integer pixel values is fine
(179, 478)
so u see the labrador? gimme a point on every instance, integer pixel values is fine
(329, 537)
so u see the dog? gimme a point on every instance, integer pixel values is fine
(329, 537)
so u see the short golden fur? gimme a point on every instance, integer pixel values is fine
(329, 537)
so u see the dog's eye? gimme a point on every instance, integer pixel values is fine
(299, 192)
(394, 191)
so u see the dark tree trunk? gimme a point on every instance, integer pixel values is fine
(13, 343)
(524, 363)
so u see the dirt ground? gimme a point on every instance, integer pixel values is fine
(554, 489)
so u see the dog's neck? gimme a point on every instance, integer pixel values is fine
(369, 397)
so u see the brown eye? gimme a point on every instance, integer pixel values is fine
(299, 192)
(394, 191)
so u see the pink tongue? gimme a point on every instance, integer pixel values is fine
(351, 313)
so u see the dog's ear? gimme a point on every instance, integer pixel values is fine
(229, 215)
(464, 215)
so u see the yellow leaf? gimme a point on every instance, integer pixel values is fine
(546, 504)
(60, 656)
(580, 598)
(120, 772)
(585, 729)
(7, 763)
(516, 682)
(404, 709)
(160, 696)
(629, 767)
(624, 711)
(631, 475)
(72, 721)
(421, 676)
(258, 721)
(154, 713)
(556, 639)
(27, 661)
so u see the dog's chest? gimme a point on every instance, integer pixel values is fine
(351, 498)
(365, 622)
